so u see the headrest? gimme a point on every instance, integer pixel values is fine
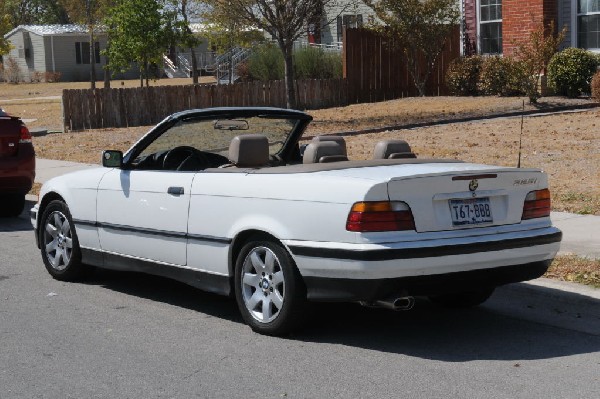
(249, 150)
(324, 151)
(392, 149)
(338, 139)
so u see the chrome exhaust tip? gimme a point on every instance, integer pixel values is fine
(395, 303)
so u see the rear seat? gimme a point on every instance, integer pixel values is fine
(338, 139)
(393, 149)
(324, 151)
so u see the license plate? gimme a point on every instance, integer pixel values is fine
(470, 211)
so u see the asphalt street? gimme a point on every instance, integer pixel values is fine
(126, 335)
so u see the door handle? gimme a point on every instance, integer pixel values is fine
(175, 190)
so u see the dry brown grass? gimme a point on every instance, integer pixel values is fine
(575, 269)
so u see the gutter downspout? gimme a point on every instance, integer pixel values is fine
(52, 48)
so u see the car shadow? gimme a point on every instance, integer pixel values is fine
(488, 332)
(168, 291)
(19, 223)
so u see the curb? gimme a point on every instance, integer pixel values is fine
(533, 112)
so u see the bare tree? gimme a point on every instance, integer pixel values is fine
(286, 21)
(422, 27)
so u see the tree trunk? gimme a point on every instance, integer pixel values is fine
(92, 59)
(194, 66)
(106, 74)
(290, 87)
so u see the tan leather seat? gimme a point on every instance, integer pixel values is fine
(393, 149)
(249, 151)
(324, 151)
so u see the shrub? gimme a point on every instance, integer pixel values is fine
(502, 76)
(37, 77)
(463, 74)
(52, 77)
(571, 70)
(12, 72)
(243, 72)
(596, 86)
(266, 63)
(314, 63)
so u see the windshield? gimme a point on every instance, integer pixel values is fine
(215, 135)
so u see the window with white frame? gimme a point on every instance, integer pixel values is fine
(490, 26)
(588, 24)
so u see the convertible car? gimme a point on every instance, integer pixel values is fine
(227, 200)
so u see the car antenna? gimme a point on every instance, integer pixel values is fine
(521, 135)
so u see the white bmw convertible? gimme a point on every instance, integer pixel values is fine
(227, 200)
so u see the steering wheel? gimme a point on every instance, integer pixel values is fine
(185, 158)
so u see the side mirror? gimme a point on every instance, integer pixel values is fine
(112, 159)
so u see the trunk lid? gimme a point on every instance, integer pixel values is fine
(467, 196)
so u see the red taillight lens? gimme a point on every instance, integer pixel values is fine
(537, 205)
(380, 216)
(25, 135)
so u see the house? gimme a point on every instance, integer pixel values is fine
(63, 49)
(497, 26)
(349, 14)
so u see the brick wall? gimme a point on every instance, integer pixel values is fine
(520, 17)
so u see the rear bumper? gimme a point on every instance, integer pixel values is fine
(341, 271)
(337, 289)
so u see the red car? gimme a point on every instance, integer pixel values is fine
(17, 164)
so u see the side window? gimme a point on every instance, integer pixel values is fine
(82, 52)
(490, 26)
(588, 24)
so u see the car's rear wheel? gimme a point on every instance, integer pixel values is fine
(59, 243)
(13, 205)
(269, 289)
(463, 299)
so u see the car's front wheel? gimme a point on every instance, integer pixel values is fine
(269, 289)
(464, 299)
(59, 243)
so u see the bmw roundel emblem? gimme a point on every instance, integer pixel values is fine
(473, 185)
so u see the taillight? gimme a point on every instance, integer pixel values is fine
(25, 135)
(380, 216)
(537, 204)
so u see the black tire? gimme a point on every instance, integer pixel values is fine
(272, 300)
(13, 205)
(464, 299)
(59, 244)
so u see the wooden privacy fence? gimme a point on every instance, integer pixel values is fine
(375, 67)
(142, 106)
